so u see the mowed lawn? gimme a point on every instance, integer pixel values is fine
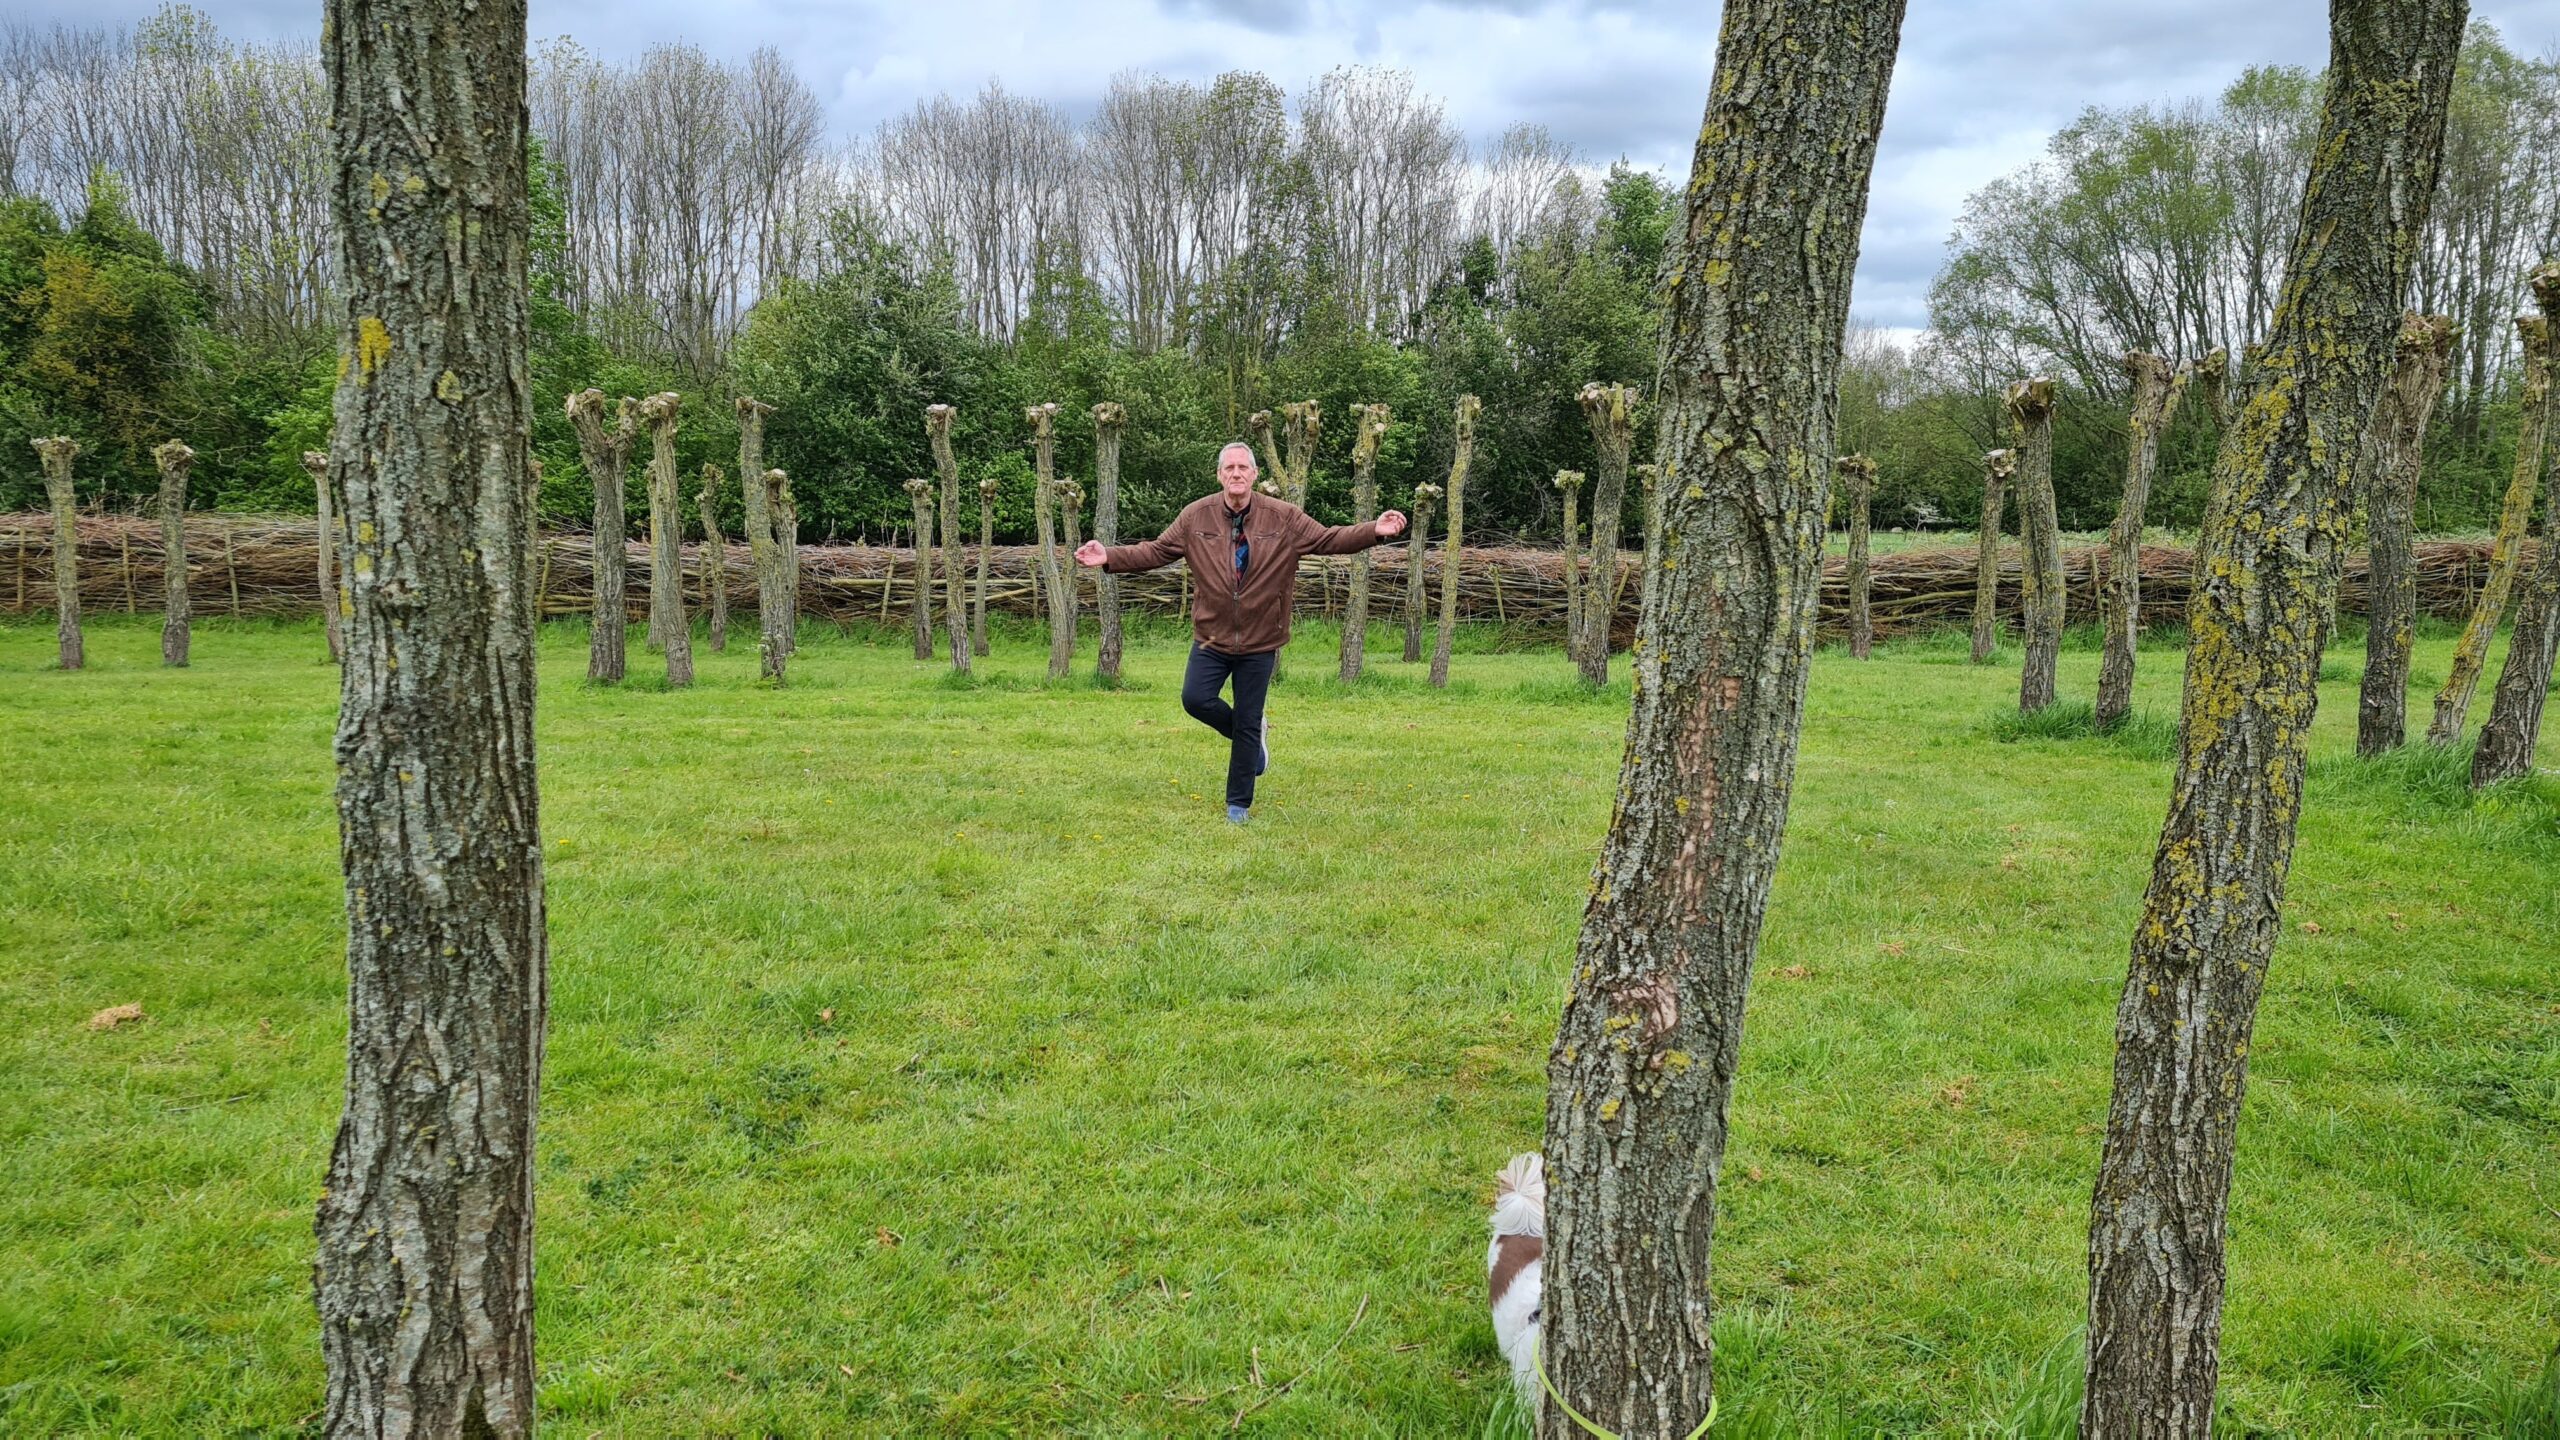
(932, 1060)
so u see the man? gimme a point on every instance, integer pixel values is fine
(1244, 550)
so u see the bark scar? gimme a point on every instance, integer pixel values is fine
(1653, 1004)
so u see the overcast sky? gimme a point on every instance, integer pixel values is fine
(1979, 88)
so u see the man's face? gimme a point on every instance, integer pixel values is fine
(1235, 473)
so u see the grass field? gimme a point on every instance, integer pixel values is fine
(930, 1059)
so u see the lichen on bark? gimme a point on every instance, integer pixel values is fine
(2042, 597)
(2514, 726)
(1997, 467)
(2506, 552)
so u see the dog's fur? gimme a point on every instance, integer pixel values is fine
(1515, 1264)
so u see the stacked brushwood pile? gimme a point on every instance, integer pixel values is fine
(247, 565)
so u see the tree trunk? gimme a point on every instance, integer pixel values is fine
(773, 603)
(920, 605)
(2041, 589)
(56, 454)
(1070, 503)
(667, 621)
(986, 543)
(607, 454)
(714, 560)
(1109, 420)
(2533, 418)
(2267, 560)
(1610, 411)
(1451, 552)
(1642, 1069)
(1369, 428)
(2514, 726)
(955, 604)
(2155, 396)
(333, 604)
(1301, 421)
(1417, 589)
(1570, 482)
(175, 461)
(1997, 467)
(786, 557)
(2394, 441)
(425, 1267)
(1648, 475)
(1044, 481)
(774, 645)
(1858, 475)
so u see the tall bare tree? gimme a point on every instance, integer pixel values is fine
(1451, 554)
(2389, 458)
(2506, 552)
(2514, 727)
(1385, 172)
(2155, 397)
(332, 603)
(2041, 593)
(1642, 1069)
(674, 630)
(176, 460)
(920, 605)
(607, 454)
(2267, 562)
(1858, 480)
(713, 562)
(1053, 579)
(955, 608)
(55, 453)
(764, 542)
(1997, 467)
(425, 1265)
(1369, 424)
(1417, 588)
(1110, 420)
(1610, 411)
(774, 647)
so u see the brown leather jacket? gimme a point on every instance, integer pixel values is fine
(1251, 615)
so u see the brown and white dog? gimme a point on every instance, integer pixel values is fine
(1515, 1267)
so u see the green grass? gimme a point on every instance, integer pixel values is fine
(930, 1059)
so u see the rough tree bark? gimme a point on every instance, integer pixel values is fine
(2514, 726)
(333, 602)
(1649, 476)
(1570, 482)
(670, 627)
(2267, 561)
(2155, 395)
(2394, 442)
(786, 556)
(1110, 420)
(773, 603)
(1858, 477)
(1070, 504)
(607, 454)
(986, 543)
(773, 643)
(1369, 428)
(1642, 1069)
(955, 600)
(1450, 553)
(1997, 467)
(1610, 411)
(56, 454)
(1417, 591)
(713, 563)
(175, 461)
(920, 606)
(425, 1267)
(1044, 483)
(2041, 594)
(2506, 553)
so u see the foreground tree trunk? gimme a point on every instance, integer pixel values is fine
(774, 645)
(955, 600)
(2514, 726)
(1997, 467)
(1369, 425)
(2506, 553)
(2267, 560)
(2155, 396)
(1053, 589)
(2394, 440)
(425, 1266)
(714, 560)
(764, 550)
(920, 605)
(1642, 1069)
(1610, 411)
(607, 454)
(986, 543)
(1417, 590)
(1858, 477)
(332, 602)
(1451, 554)
(176, 461)
(56, 453)
(2041, 596)
(668, 623)
(1109, 421)
(1570, 482)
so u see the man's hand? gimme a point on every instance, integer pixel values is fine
(1391, 524)
(1090, 553)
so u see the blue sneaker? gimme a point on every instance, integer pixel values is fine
(1237, 814)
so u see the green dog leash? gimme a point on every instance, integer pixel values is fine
(1577, 1417)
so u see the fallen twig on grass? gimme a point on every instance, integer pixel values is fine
(1286, 1385)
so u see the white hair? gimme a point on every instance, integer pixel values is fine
(1237, 445)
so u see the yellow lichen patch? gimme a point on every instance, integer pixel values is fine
(373, 343)
(379, 186)
(449, 388)
(1609, 1109)
(413, 185)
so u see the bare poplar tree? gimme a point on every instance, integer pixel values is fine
(1610, 411)
(1369, 428)
(1570, 483)
(56, 453)
(2394, 440)
(1997, 467)
(316, 462)
(176, 460)
(1451, 556)
(773, 607)
(2506, 552)
(2514, 726)
(714, 559)
(986, 545)
(425, 1267)
(1642, 1069)
(1417, 590)
(2267, 562)
(773, 646)
(1110, 419)
(666, 539)
(920, 607)
(2041, 596)
(955, 608)
(2155, 398)
(1858, 478)
(607, 454)
(1053, 589)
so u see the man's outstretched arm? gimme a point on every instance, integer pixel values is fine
(1145, 555)
(1349, 539)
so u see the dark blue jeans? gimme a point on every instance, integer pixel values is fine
(1207, 674)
